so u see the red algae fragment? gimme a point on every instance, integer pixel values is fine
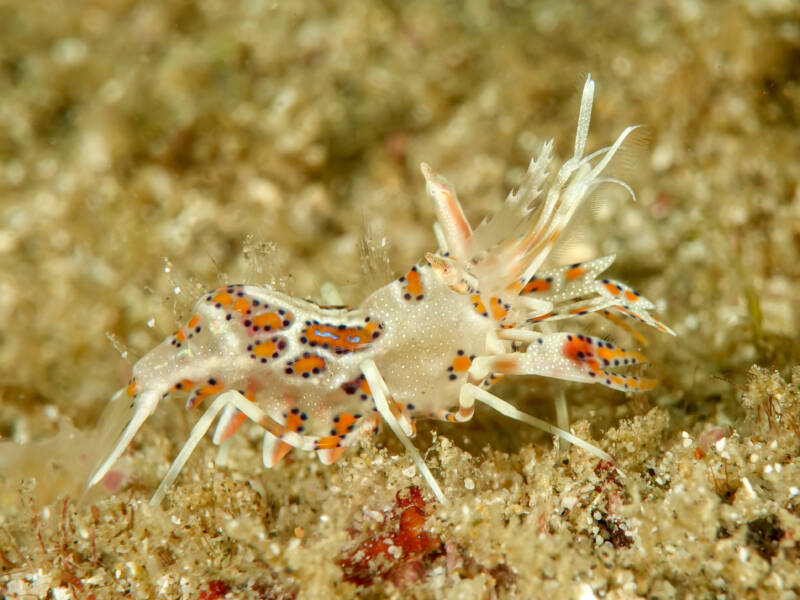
(401, 552)
(216, 590)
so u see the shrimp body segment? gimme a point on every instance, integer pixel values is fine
(427, 345)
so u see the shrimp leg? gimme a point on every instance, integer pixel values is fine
(380, 394)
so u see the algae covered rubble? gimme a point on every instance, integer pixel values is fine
(250, 142)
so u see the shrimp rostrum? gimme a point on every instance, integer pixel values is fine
(427, 345)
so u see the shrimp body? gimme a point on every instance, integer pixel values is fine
(427, 345)
(431, 338)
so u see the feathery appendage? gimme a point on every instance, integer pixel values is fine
(507, 250)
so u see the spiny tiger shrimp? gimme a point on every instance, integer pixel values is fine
(427, 345)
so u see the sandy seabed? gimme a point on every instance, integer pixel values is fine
(151, 150)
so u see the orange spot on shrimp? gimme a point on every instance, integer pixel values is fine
(180, 336)
(210, 390)
(574, 273)
(461, 364)
(213, 387)
(132, 388)
(294, 421)
(241, 305)
(606, 353)
(536, 285)
(631, 296)
(413, 285)
(268, 321)
(480, 307)
(307, 365)
(184, 385)
(343, 423)
(193, 322)
(612, 288)
(579, 349)
(499, 310)
(328, 442)
(223, 298)
(266, 349)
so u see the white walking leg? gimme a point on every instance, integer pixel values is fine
(470, 393)
(198, 431)
(562, 412)
(253, 412)
(380, 395)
